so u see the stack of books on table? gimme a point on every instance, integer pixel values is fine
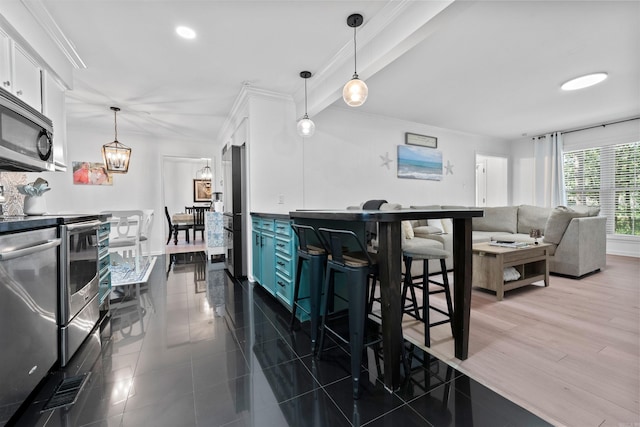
(509, 244)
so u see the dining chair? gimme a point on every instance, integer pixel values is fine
(198, 221)
(145, 229)
(175, 228)
(126, 226)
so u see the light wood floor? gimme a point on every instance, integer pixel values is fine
(569, 353)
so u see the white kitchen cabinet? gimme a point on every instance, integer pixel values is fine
(5, 61)
(27, 78)
(54, 108)
(20, 73)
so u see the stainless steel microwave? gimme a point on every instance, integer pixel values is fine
(26, 137)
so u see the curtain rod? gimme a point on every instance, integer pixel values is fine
(590, 127)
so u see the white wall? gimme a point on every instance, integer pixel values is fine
(274, 153)
(343, 163)
(140, 188)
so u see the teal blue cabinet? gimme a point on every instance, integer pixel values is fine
(274, 256)
(263, 253)
(104, 275)
(256, 249)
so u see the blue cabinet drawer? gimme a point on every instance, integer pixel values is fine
(267, 225)
(103, 263)
(284, 265)
(283, 288)
(256, 223)
(284, 245)
(283, 228)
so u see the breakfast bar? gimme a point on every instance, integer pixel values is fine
(390, 270)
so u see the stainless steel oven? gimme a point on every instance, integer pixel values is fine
(78, 285)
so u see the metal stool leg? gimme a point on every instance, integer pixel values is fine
(357, 309)
(296, 290)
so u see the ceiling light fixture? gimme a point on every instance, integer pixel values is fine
(306, 127)
(584, 81)
(355, 91)
(186, 32)
(116, 155)
(205, 172)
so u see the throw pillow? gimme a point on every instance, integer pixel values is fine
(436, 223)
(447, 224)
(558, 222)
(407, 230)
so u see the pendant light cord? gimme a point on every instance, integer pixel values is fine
(305, 98)
(355, 54)
(115, 123)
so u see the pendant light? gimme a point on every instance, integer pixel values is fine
(116, 155)
(306, 127)
(205, 172)
(355, 91)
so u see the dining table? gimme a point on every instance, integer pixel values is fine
(390, 271)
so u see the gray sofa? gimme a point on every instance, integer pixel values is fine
(577, 236)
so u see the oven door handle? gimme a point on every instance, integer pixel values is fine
(84, 226)
(17, 253)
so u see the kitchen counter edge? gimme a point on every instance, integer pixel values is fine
(13, 224)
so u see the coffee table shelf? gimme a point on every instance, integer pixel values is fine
(490, 261)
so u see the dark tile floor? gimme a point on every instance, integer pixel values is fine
(198, 348)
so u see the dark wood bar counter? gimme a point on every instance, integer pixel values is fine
(390, 269)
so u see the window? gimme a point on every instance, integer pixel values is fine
(608, 177)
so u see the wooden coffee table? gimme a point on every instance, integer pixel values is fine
(490, 261)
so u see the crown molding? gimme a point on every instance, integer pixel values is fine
(49, 25)
(238, 112)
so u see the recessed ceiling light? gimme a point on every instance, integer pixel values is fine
(186, 32)
(584, 81)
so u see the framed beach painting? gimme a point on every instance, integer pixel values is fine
(415, 162)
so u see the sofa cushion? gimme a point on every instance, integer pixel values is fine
(436, 223)
(503, 218)
(390, 206)
(588, 210)
(558, 222)
(427, 207)
(532, 217)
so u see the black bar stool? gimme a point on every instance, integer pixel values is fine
(426, 253)
(358, 266)
(316, 257)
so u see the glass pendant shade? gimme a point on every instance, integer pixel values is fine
(355, 92)
(205, 172)
(306, 127)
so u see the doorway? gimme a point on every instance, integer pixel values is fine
(492, 180)
(178, 175)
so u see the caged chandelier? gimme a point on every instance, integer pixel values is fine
(306, 127)
(355, 91)
(116, 155)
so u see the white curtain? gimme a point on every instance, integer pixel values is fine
(548, 175)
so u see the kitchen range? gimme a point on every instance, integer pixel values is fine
(48, 298)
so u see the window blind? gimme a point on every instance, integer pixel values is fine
(608, 177)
